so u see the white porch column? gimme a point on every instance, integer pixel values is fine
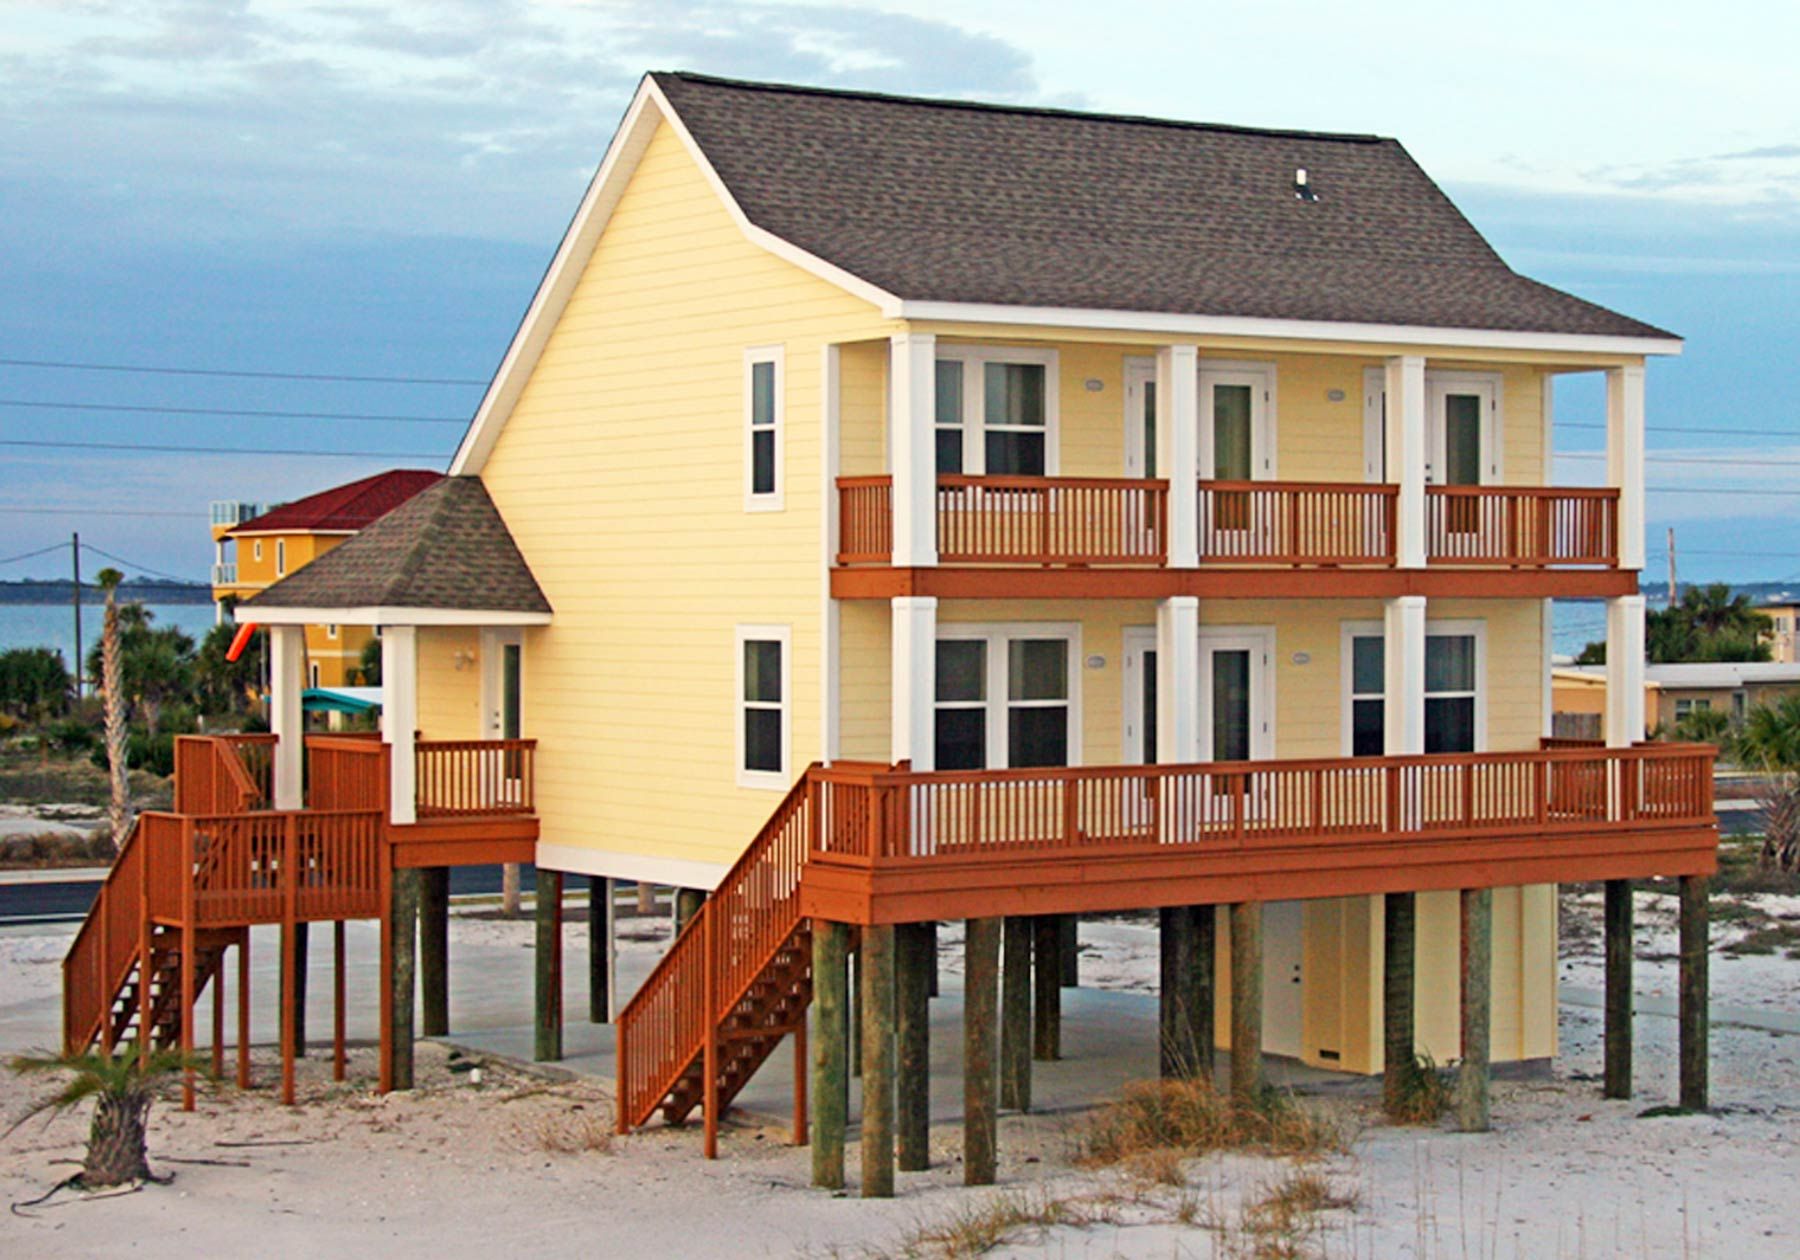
(287, 679)
(1406, 455)
(1624, 670)
(1403, 710)
(1178, 680)
(1625, 458)
(912, 374)
(914, 680)
(1178, 448)
(400, 718)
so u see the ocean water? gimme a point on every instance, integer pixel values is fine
(53, 625)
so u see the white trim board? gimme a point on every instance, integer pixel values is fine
(387, 615)
(634, 868)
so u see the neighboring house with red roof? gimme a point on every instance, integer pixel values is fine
(254, 549)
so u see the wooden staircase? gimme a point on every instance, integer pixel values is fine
(737, 980)
(165, 985)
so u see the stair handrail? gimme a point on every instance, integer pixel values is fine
(637, 1101)
(93, 937)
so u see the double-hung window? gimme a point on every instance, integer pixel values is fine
(1454, 706)
(1006, 697)
(995, 412)
(763, 673)
(763, 389)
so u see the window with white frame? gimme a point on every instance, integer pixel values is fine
(312, 674)
(1005, 696)
(1687, 705)
(763, 712)
(1455, 710)
(280, 557)
(331, 632)
(256, 550)
(763, 407)
(996, 411)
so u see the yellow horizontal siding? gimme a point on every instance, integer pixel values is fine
(449, 675)
(621, 475)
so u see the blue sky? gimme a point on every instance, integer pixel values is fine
(374, 189)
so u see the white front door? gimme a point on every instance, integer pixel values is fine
(1237, 695)
(1462, 412)
(502, 710)
(1283, 991)
(1235, 439)
(1140, 697)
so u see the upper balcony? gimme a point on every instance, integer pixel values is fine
(995, 470)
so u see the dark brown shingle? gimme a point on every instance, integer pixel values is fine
(445, 548)
(947, 201)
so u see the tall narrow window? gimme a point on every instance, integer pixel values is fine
(280, 557)
(1037, 702)
(1015, 419)
(949, 416)
(763, 670)
(762, 429)
(961, 710)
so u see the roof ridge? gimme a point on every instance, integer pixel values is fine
(1041, 111)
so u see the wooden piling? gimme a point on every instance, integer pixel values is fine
(1246, 1001)
(189, 996)
(1616, 1080)
(1015, 1013)
(1069, 949)
(1046, 1004)
(931, 974)
(1696, 915)
(297, 995)
(218, 1019)
(599, 947)
(547, 1045)
(1399, 945)
(1472, 1113)
(243, 1011)
(1179, 1033)
(878, 1062)
(339, 1010)
(687, 904)
(434, 951)
(404, 913)
(981, 994)
(912, 1046)
(1202, 989)
(830, 1052)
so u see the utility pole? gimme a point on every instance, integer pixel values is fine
(1672, 591)
(75, 558)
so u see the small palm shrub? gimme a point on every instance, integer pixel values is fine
(122, 1085)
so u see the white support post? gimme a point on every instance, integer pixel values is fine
(1178, 680)
(287, 679)
(914, 680)
(1178, 448)
(1625, 458)
(1624, 670)
(1403, 709)
(912, 374)
(400, 718)
(1406, 455)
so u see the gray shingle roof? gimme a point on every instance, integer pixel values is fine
(445, 548)
(958, 202)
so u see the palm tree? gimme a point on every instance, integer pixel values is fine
(1770, 740)
(112, 686)
(122, 1086)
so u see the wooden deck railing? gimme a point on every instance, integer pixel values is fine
(1016, 520)
(346, 772)
(476, 776)
(1521, 526)
(1297, 522)
(105, 947)
(267, 867)
(891, 818)
(223, 774)
(717, 957)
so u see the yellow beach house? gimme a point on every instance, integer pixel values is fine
(253, 549)
(892, 511)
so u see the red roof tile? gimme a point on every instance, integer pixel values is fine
(345, 508)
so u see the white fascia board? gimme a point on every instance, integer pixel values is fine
(638, 868)
(1281, 329)
(648, 108)
(372, 615)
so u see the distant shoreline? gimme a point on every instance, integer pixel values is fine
(141, 590)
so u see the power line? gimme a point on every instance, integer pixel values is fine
(221, 450)
(41, 551)
(227, 411)
(1686, 459)
(259, 376)
(93, 511)
(1671, 428)
(133, 564)
(1786, 494)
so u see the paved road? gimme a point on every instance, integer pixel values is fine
(45, 901)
